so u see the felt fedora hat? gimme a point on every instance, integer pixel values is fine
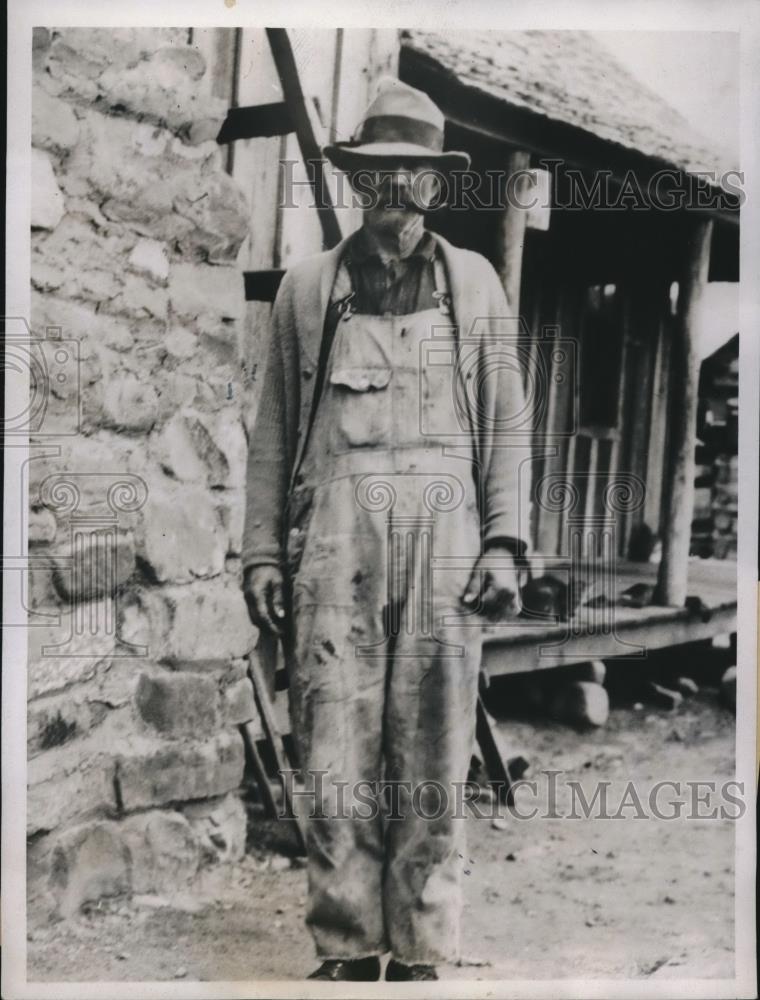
(401, 123)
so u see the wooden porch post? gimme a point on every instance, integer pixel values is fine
(509, 251)
(678, 480)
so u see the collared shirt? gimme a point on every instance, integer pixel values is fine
(391, 286)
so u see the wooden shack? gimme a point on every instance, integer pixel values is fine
(640, 216)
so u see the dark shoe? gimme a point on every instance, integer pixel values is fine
(397, 972)
(356, 970)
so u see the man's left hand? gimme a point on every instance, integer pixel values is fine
(493, 589)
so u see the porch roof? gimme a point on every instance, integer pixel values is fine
(569, 77)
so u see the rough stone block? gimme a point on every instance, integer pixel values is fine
(593, 671)
(162, 849)
(181, 537)
(127, 169)
(85, 53)
(238, 704)
(94, 566)
(153, 774)
(220, 213)
(198, 623)
(66, 783)
(137, 175)
(89, 862)
(88, 262)
(65, 651)
(221, 827)
(42, 526)
(90, 477)
(209, 622)
(227, 449)
(144, 619)
(150, 257)
(54, 124)
(80, 322)
(41, 595)
(177, 390)
(198, 289)
(209, 447)
(178, 703)
(580, 703)
(231, 507)
(56, 718)
(174, 449)
(181, 343)
(140, 298)
(728, 687)
(163, 89)
(130, 404)
(48, 205)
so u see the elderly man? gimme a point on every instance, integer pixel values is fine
(384, 509)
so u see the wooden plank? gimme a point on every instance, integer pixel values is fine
(658, 431)
(498, 773)
(568, 400)
(511, 237)
(250, 736)
(640, 327)
(220, 48)
(301, 231)
(679, 466)
(257, 171)
(362, 56)
(261, 683)
(547, 435)
(513, 655)
(217, 45)
(255, 122)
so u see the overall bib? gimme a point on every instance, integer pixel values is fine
(384, 532)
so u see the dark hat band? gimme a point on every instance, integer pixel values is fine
(400, 128)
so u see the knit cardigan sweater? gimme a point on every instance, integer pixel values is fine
(498, 417)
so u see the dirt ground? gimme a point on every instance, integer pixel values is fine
(545, 898)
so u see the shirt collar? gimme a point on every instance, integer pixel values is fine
(363, 246)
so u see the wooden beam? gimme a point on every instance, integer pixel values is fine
(511, 238)
(260, 120)
(679, 462)
(306, 128)
(261, 286)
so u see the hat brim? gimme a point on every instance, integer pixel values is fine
(353, 156)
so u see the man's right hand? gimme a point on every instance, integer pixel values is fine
(263, 591)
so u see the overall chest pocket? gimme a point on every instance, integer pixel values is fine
(360, 404)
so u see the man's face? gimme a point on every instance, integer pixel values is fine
(394, 192)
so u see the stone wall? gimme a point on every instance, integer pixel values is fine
(136, 677)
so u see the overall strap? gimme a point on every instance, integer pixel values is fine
(341, 296)
(342, 291)
(441, 293)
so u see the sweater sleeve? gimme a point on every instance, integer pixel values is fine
(507, 476)
(268, 470)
